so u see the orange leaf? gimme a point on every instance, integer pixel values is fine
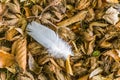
(10, 34)
(6, 59)
(20, 51)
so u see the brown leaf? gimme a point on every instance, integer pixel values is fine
(33, 66)
(10, 34)
(42, 77)
(27, 11)
(15, 8)
(114, 54)
(20, 51)
(2, 8)
(78, 17)
(6, 59)
(112, 1)
(84, 77)
(82, 4)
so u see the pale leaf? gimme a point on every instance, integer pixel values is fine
(33, 66)
(111, 16)
(112, 1)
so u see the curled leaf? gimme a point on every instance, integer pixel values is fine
(95, 72)
(33, 66)
(15, 8)
(20, 51)
(111, 15)
(68, 66)
(114, 54)
(6, 59)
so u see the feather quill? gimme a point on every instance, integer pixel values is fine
(49, 39)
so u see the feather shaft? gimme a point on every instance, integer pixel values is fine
(49, 39)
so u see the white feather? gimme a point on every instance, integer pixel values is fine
(49, 39)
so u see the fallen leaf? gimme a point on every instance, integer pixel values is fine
(15, 8)
(84, 77)
(10, 34)
(33, 66)
(19, 49)
(95, 72)
(111, 15)
(78, 17)
(6, 59)
(112, 1)
(68, 66)
(114, 54)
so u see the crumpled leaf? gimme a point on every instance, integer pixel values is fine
(25, 76)
(19, 49)
(95, 72)
(33, 66)
(15, 8)
(6, 59)
(111, 16)
(114, 54)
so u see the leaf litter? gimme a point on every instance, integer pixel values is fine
(90, 27)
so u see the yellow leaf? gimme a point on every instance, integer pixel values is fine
(68, 66)
(112, 1)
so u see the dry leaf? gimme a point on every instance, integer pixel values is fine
(2, 8)
(82, 4)
(114, 54)
(3, 76)
(33, 66)
(27, 11)
(68, 66)
(20, 51)
(112, 1)
(78, 17)
(25, 76)
(42, 77)
(84, 77)
(6, 59)
(10, 34)
(111, 15)
(15, 8)
(95, 72)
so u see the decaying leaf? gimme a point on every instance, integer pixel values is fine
(6, 59)
(20, 51)
(111, 15)
(33, 66)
